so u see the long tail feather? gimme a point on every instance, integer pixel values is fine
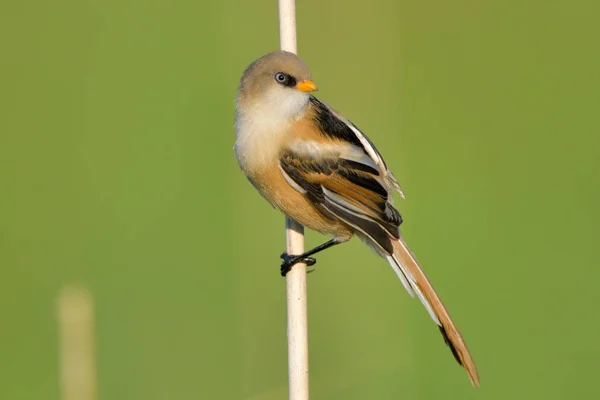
(408, 269)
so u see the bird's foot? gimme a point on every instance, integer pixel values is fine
(290, 261)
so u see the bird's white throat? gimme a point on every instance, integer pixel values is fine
(261, 125)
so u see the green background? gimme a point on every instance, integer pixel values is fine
(117, 171)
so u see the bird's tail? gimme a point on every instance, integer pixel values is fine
(410, 273)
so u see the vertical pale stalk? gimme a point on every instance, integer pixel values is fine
(76, 334)
(297, 331)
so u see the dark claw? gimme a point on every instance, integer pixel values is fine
(290, 261)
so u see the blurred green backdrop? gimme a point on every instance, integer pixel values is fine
(117, 171)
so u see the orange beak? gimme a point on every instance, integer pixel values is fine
(306, 86)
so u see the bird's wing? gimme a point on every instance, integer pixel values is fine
(347, 190)
(350, 190)
(335, 125)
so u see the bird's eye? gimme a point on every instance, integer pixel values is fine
(282, 78)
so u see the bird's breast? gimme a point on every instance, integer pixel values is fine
(258, 142)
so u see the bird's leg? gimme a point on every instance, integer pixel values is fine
(290, 261)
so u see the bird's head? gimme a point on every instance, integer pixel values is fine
(278, 83)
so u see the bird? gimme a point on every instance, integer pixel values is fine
(319, 169)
